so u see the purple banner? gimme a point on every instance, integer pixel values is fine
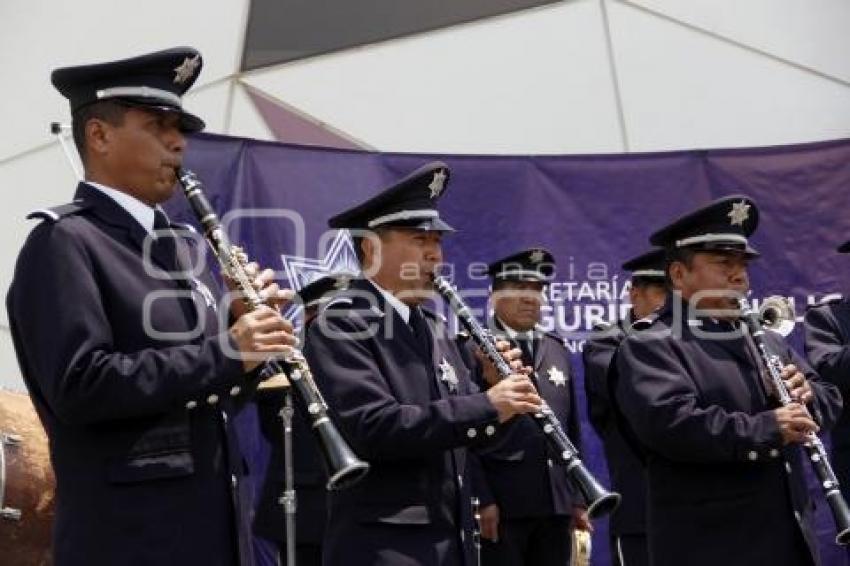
(592, 211)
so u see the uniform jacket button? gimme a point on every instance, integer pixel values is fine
(212, 399)
(752, 455)
(472, 433)
(234, 391)
(191, 405)
(774, 453)
(490, 430)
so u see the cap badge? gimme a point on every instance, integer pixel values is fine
(536, 256)
(557, 377)
(739, 214)
(437, 183)
(448, 375)
(186, 69)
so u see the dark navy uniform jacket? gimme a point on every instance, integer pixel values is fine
(137, 423)
(519, 473)
(722, 488)
(410, 414)
(827, 338)
(625, 468)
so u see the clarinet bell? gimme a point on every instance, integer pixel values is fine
(600, 501)
(344, 467)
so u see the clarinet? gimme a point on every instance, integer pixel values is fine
(476, 532)
(343, 466)
(813, 445)
(600, 501)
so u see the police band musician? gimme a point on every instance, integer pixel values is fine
(132, 366)
(528, 505)
(723, 458)
(401, 390)
(627, 527)
(827, 343)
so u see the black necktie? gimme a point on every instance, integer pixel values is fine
(525, 344)
(165, 245)
(420, 329)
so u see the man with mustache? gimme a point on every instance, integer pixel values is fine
(398, 385)
(132, 369)
(528, 507)
(723, 461)
(627, 527)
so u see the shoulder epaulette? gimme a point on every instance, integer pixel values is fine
(831, 299)
(57, 213)
(551, 334)
(645, 322)
(601, 327)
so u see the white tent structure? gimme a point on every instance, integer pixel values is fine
(572, 76)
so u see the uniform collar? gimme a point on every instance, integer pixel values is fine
(402, 309)
(514, 334)
(141, 212)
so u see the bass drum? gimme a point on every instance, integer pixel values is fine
(27, 485)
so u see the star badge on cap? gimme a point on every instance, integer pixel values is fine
(448, 375)
(739, 214)
(557, 377)
(437, 183)
(186, 69)
(536, 256)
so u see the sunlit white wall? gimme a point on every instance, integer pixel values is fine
(579, 76)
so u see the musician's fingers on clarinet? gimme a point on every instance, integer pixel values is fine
(265, 320)
(797, 384)
(794, 423)
(276, 297)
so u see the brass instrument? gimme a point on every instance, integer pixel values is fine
(343, 465)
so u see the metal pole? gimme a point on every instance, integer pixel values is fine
(288, 499)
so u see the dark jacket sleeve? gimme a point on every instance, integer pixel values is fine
(660, 405)
(827, 348)
(597, 356)
(377, 424)
(827, 403)
(62, 334)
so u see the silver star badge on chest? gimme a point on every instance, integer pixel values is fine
(739, 214)
(437, 183)
(557, 377)
(186, 69)
(448, 375)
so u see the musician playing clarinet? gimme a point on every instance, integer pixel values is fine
(827, 343)
(123, 345)
(528, 506)
(723, 458)
(395, 379)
